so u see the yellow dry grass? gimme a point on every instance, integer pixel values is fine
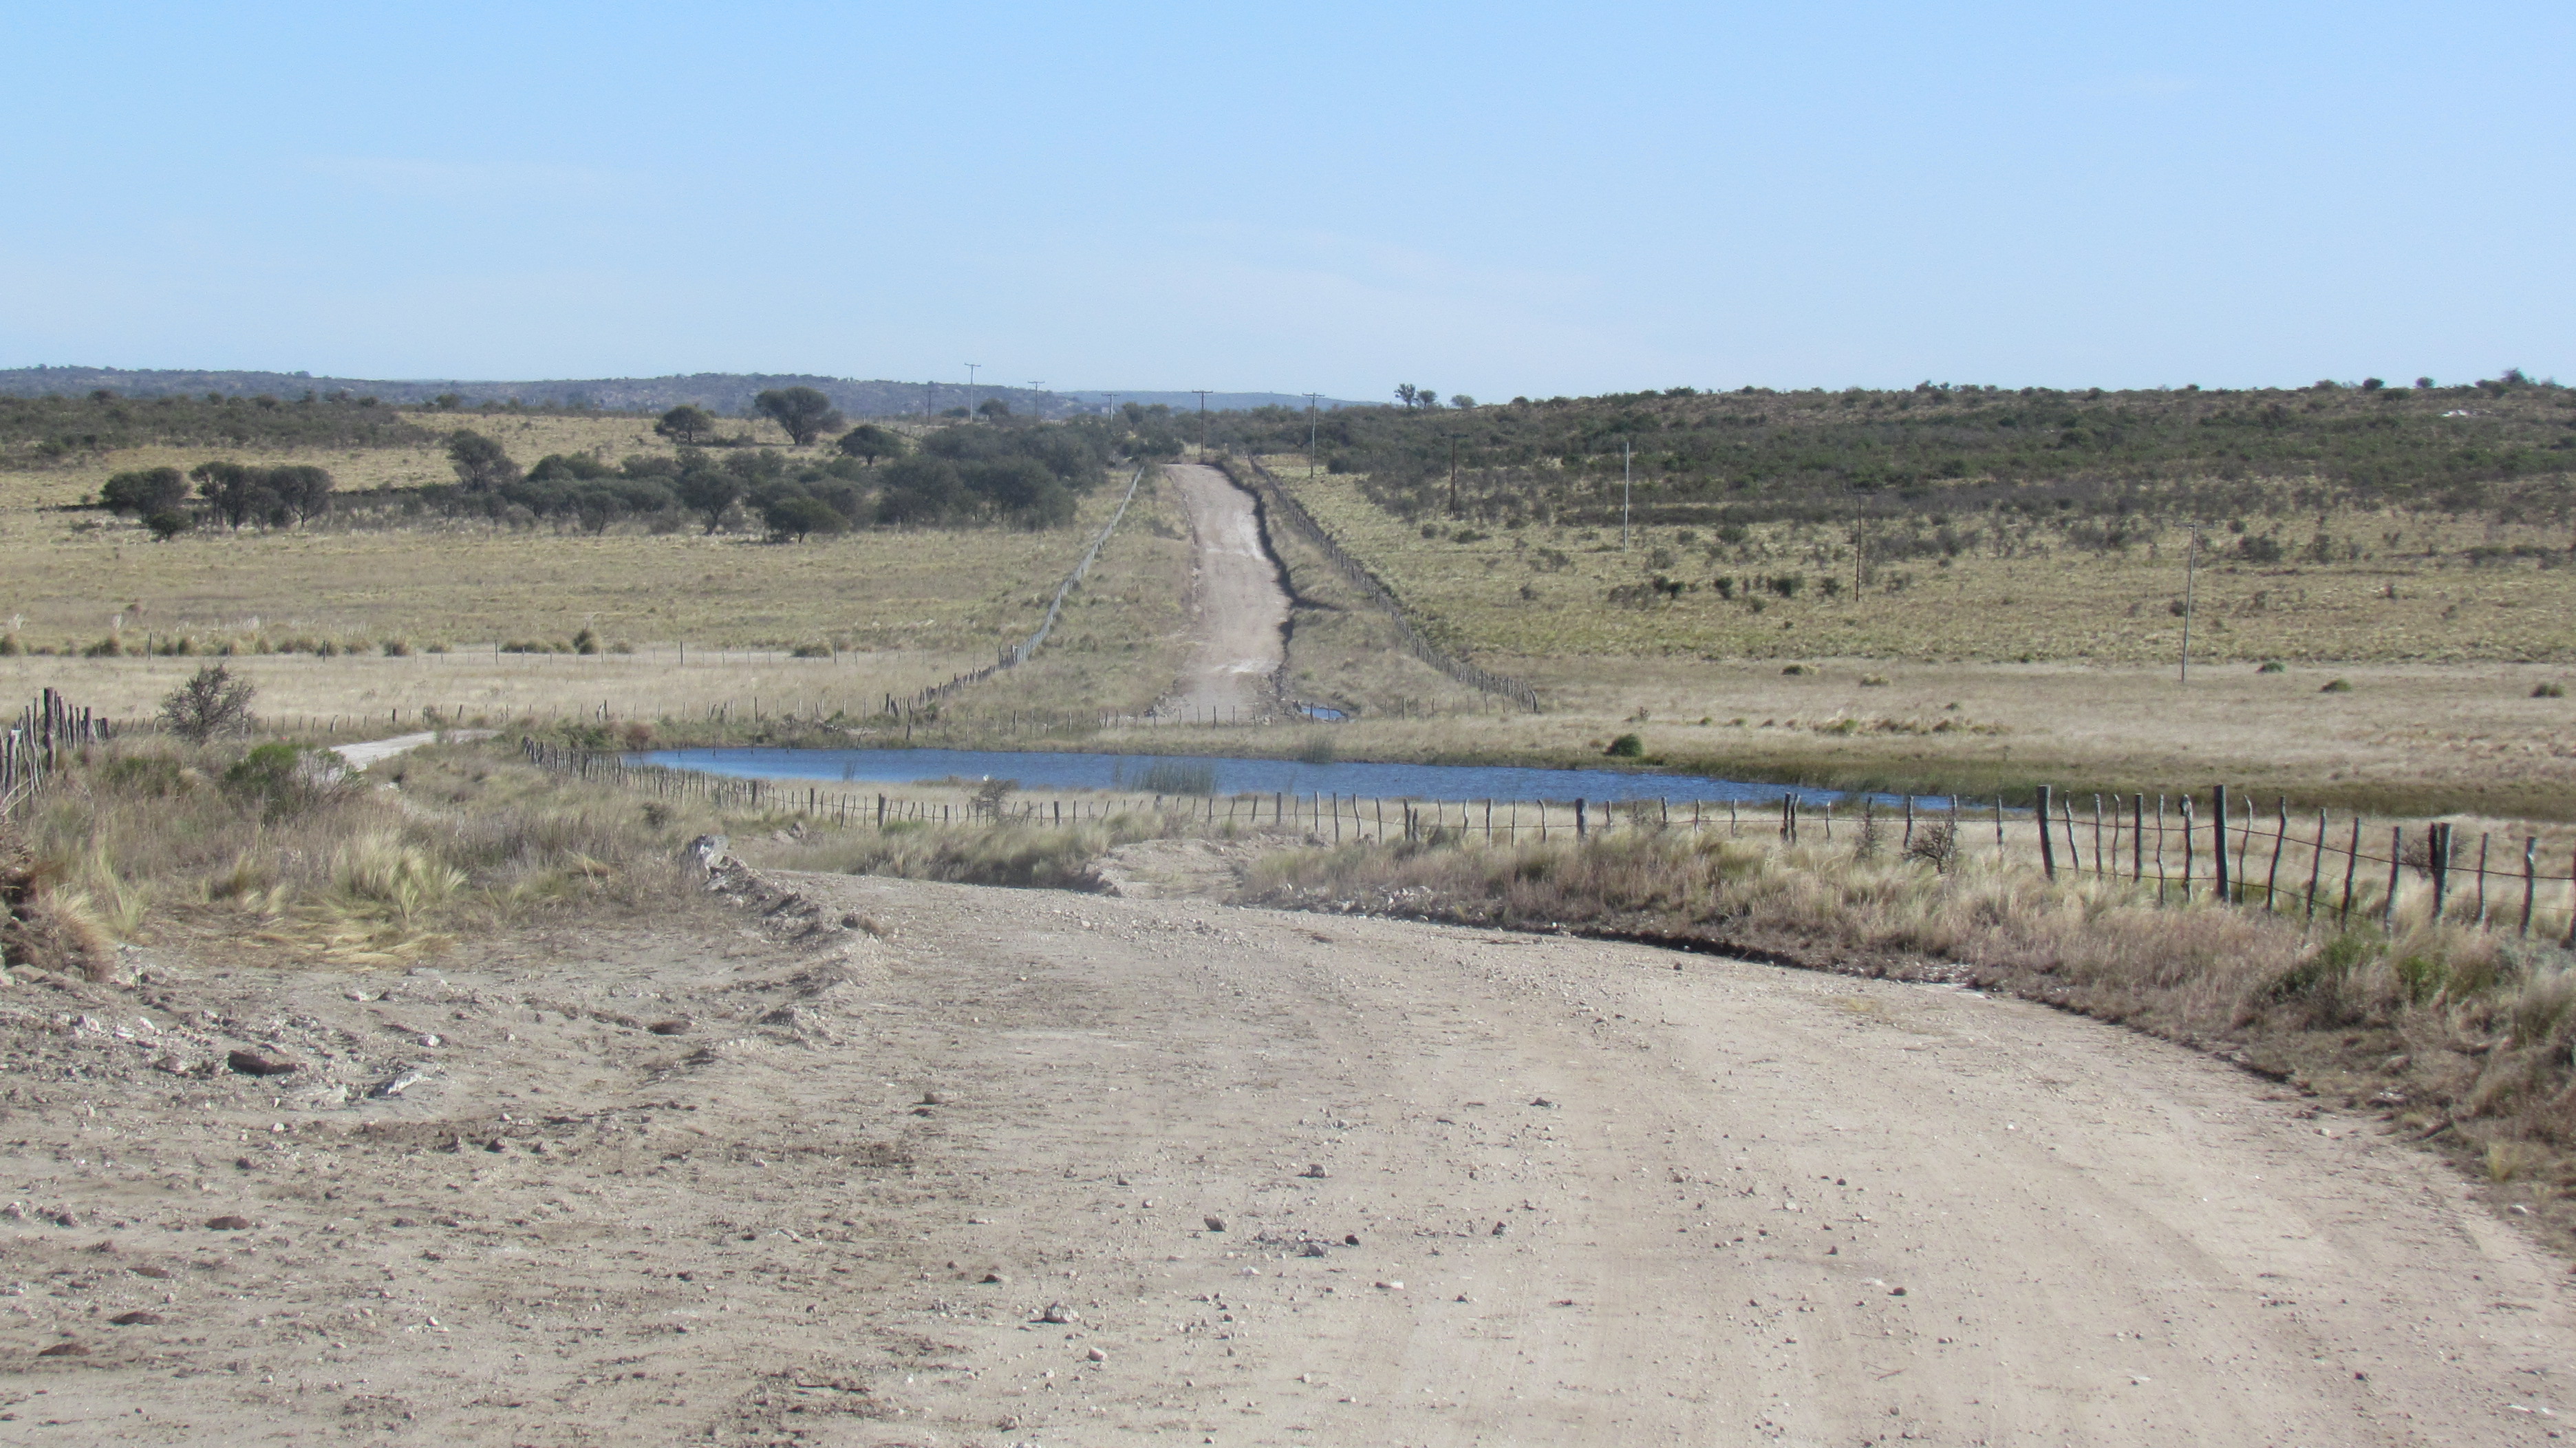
(1543, 590)
(68, 580)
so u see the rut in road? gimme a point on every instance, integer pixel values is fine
(1238, 609)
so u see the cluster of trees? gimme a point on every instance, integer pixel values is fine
(2504, 445)
(803, 413)
(42, 429)
(235, 494)
(1022, 476)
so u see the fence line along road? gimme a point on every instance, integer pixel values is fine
(2184, 850)
(1277, 502)
(1019, 653)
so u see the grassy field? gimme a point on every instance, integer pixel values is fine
(2027, 592)
(73, 578)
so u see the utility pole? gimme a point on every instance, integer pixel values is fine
(929, 399)
(1627, 457)
(2190, 571)
(1037, 407)
(970, 381)
(1453, 475)
(1311, 399)
(1203, 394)
(1113, 404)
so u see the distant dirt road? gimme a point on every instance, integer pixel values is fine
(1238, 607)
(1474, 1188)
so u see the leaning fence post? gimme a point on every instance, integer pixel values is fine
(2351, 868)
(2316, 864)
(2280, 837)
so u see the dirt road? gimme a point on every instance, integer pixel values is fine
(1237, 604)
(1473, 1188)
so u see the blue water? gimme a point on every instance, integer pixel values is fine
(1039, 770)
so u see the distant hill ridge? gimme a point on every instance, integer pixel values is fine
(725, 392)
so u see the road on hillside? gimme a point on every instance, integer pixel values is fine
(1239, 612)
(949, 1165)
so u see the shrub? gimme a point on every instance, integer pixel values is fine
(285, 780)
(1626, 746)
(212, 702)
(2271, 666)
(2548, 691)
(2336, 686)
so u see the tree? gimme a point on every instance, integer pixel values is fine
(481, 464)
(794, 515)
(686, 425)
(993, 409)
(1406, 392)
(706, 489)
(869, 442)
(238, 494)
(920, 489)
(170, 524)
(146, 492)
(212, 702)
(303, 491)
(804, 413)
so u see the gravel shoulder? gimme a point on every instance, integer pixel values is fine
(1473, 1187)
(1239, 609)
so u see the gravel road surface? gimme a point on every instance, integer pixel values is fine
(1240, 612)
(1004, 1167)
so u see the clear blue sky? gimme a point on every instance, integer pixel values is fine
(1492, 199)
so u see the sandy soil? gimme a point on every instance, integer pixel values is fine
(1472, 1187)
(1240, 612)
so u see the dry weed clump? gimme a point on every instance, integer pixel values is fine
(282, 840)
(41, 926)
(1024, 855)
(2460, 1026)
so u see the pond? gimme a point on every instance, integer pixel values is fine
(1198, 774)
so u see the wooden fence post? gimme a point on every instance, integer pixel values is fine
(2437, 853)
(2218, 834)
(2351, 868)
(1581, 825)
(2047, 850)
(2188, 825)
(2396, 850)
(2280, 837)
(2530, 879)
(2137, 839)
(2316, 864)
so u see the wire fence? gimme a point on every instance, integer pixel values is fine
(49, 727)
(1279, 505)
(2189, 848)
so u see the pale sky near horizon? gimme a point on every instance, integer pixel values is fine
(1494, 199)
